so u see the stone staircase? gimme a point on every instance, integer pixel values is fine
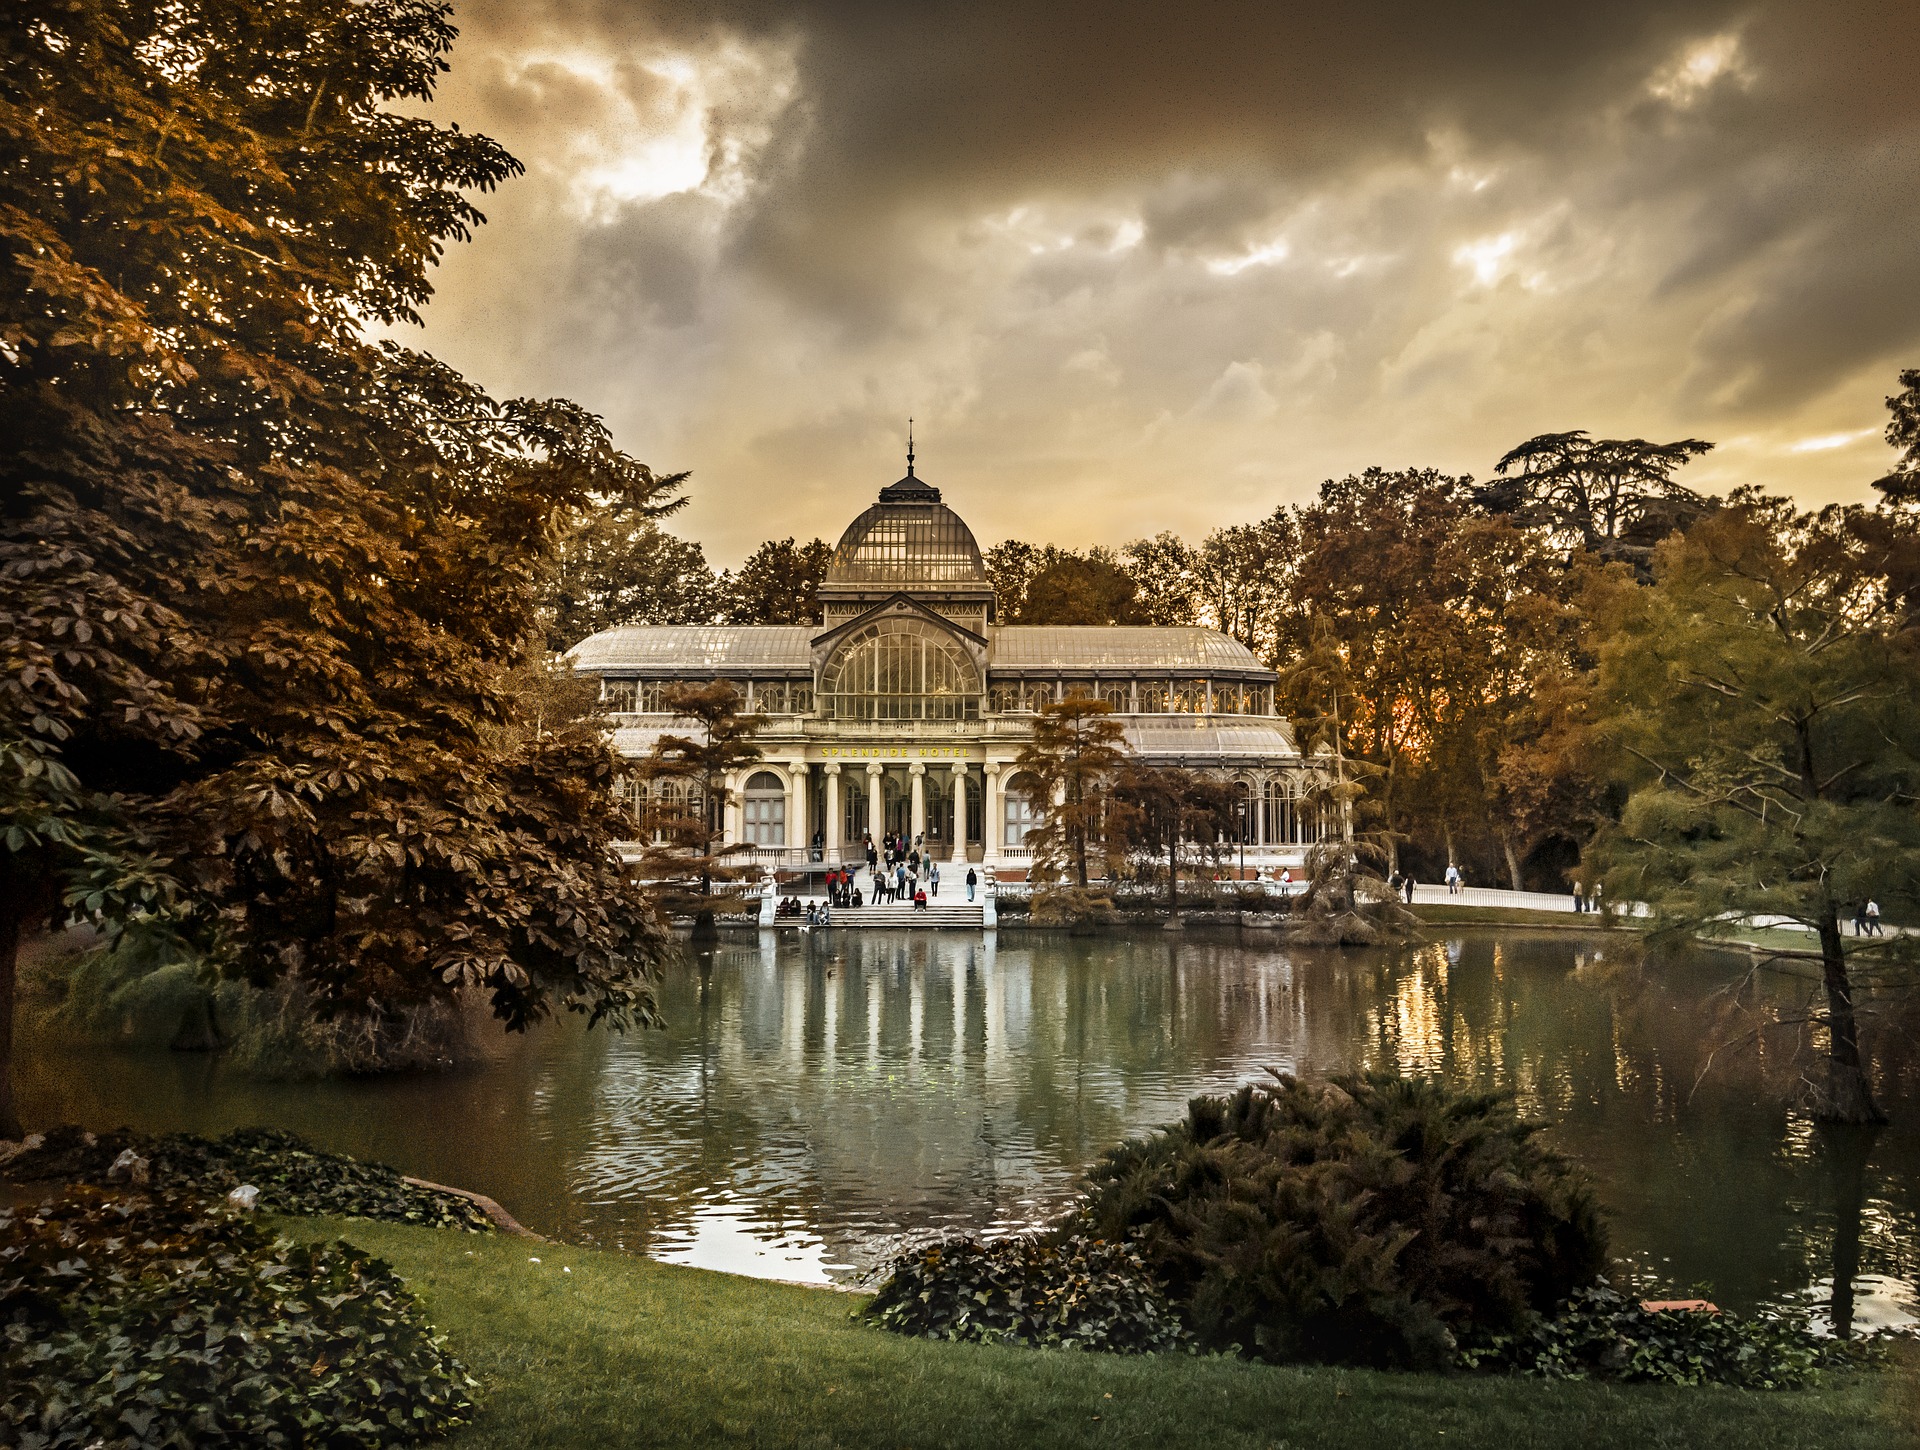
(951, 913)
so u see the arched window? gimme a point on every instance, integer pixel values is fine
(1020, 811)
(766, 810)
(1279, 810)
(900, 669)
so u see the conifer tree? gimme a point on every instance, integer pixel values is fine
(685, 869)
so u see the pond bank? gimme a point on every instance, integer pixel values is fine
(575, 1347)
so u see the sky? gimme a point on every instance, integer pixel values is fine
(1134, 267)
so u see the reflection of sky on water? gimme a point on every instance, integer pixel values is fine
(818, 1100)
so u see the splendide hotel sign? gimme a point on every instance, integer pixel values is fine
(895, 752)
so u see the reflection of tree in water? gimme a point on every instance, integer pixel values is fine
(864, 1084)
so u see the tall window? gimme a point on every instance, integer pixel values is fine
(766, 810)
(900, 669)
(1119, 694)
(1018, 812)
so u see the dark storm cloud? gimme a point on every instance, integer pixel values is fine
(1266, 237)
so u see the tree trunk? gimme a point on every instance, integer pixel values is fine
(1513, 860)
(1844, 1097)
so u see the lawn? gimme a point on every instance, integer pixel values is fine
(595, 1349)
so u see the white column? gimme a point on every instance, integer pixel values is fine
(993, 829)
(959, 837)
(832, 823)
(876, 806)
(799, 833)
(917, 821)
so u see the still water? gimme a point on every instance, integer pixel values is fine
(814, 1100)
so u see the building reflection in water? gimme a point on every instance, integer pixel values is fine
(817, 1097)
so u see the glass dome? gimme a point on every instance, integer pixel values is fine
(909, 537)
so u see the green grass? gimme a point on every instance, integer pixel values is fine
(594, 1349)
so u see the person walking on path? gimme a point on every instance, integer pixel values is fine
(1407, 886)
(1873, 918)
(873, 856)
(972, 881)
(933, 878)
(1453, 879)
(1860, 919)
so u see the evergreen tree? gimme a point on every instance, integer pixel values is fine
(779, 584)
(1076, 752)
(685, 869)
(1764, 697)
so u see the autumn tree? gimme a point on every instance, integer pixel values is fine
(1765, 703)
(1614, 497)
(1074, 756)
(779, 584)
(266, 581)
(686, 790)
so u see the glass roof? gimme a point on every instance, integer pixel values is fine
(1067, 647)
(907, 543)
(686, 649)
(1254, 739)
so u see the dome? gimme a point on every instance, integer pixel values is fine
(909, 537)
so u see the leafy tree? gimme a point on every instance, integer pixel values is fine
(1165, 577)
(1081, 589)
(1613, 496)
(1902, 486)
(1010, 569)
(1159, 810)
(1381, 564)
(1765, 701)
(682, 815)
(1076, 752)
(1245, 580)
(779, 584)
(266, 581)
(613, 564)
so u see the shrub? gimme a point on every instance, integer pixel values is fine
(1602, 1334)
(154, 1322)
(140, 989)
(292, 1175)
(1376, 1221)
(1073, 1294)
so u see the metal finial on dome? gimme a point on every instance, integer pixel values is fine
(909, 448)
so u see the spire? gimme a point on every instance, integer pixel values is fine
(909, 448)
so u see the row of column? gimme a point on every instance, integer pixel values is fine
(800, 828)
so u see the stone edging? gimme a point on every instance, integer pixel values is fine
(502, 1220)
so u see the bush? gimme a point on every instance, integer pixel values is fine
(1073, 1294)
(155, 1322)
(141, 990)
(292, 1175)
(1602, 1334)
(1376, 1221)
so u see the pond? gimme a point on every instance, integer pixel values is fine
(814, 1100)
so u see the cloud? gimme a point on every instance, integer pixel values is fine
(1136, 268)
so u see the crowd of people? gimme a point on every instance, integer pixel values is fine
(898, 870)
